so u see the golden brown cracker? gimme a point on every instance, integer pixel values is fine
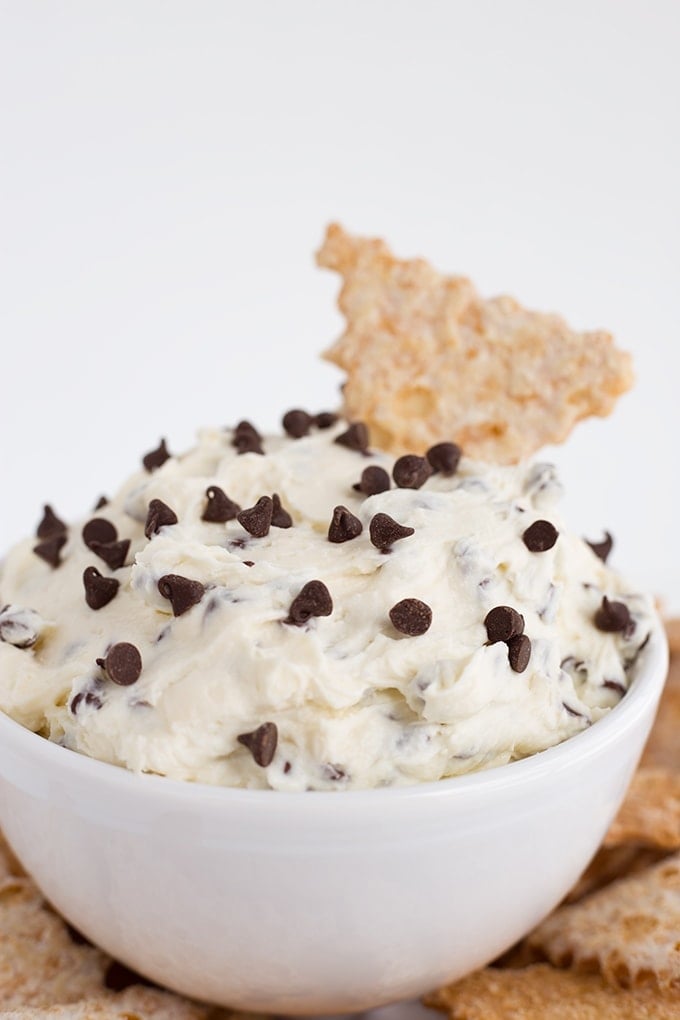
(428, 359)
(611, 863)
(11, 871)
(663, 746)
(40, 965)
(650, 814)
(136, 1003)
(673, 635)
(542, 993)
(629, 931)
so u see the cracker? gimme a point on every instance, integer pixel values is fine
(673, 635)
(542, 993)
(663, 746)
(40, 964)
(136, 1003)
(428, 359)
(11, 872)
(611, 863)
(650, 814)
(629, 931)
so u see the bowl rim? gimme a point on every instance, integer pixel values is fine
(645, 689)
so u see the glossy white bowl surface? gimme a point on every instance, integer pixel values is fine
(308, 903)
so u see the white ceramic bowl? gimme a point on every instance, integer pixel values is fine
(308, 903)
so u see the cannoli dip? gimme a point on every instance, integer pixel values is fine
(304, 612)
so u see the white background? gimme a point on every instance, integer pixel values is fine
(167, 169)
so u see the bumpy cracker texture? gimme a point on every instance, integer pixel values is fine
(630, 930)
(428, 359)
(40, 965)
(135, 1003)
(663, 746)
(542, 993)
(650, 814)
(611, 863)
(673, 634)
(12, 875)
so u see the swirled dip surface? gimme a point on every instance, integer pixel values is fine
(373, 692)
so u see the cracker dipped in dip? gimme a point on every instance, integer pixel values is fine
(307, 612)
(304, 612)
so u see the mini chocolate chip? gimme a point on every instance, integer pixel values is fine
(503, 623)
(101, 502)
(99, 530)
(410, 472)
(355, 438)
(280, 517)
(219, 507)
(640, 648)
(344, 525)
(156, 458)
(257, 519)
(572, 711)
(19, 627)
(261, 743)
(158, 516)
(50, 549)
(325, 419)
(614, 685)
(246, 428)
(385, 531)
(122, 664)
(313, 599)
(602, 549)
(75, 701)
(99, 590)
(87, 697)
(444, 458)
(182, 592)
(571, 662)
(540, 536)
(50, 524)
(248, 563)
(612, 617)
(297, 423)
(114, 554)
(519, 652)
(411, 616)
(374, 479)
(247, 439)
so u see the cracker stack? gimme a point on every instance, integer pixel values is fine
(613, 948)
